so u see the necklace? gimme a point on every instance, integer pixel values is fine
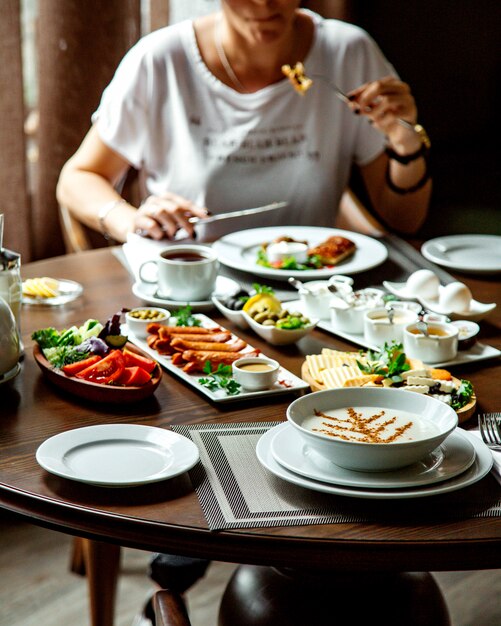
(218, 42)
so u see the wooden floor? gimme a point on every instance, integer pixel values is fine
(36, 588)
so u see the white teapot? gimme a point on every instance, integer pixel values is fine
(9, 339)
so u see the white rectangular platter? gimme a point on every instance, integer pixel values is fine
(478, 352)
(287, 382)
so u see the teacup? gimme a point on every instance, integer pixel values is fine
(185, 273)
(316, 299)
(440, 343)
(383, 326)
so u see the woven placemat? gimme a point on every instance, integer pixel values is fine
(236, 491)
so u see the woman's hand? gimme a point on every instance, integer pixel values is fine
(383, 102)
(160, 217)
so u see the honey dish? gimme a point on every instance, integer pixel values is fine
(255, 373)
(371, 429)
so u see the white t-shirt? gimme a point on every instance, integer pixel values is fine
(190, 134)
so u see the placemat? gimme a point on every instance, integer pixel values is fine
(235, 491)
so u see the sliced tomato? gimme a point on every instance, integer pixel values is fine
(105, 371)
(133, 359)
(134, 376)
(73, 368)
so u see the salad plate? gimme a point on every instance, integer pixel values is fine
(478, 352)
(473, 254)
(454, 456)
(117, 455)
(287, 382)
(225, 287)
(68, 290)
(479, 468)
(97, 392)
(239, 251)
(476, 312)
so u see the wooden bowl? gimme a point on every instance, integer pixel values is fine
(95, 391)
(464, 412)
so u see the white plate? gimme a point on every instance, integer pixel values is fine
(480, 468)
(286, 383)
(11, 374)
(225, 287)
(454, 456)
(476, 254)
(478, 352)
(239, 251)
(477, 312)
(69, 290)
(117, 455)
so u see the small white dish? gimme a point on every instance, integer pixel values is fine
(237, 317)
(138, 324)
(279, 336)
(383, 326)
(148, 293)
(480, 468)
(117, 455)
(475, 254)
(455, 455)
(255, 373)
(316, 299)
(419, 424)
(348, 312)
(477, 310)
(68, 290)
(438, 345)
(468, 332)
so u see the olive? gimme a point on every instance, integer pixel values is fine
(239, 305)
(261, 317)
(230, 303)
(269, 322)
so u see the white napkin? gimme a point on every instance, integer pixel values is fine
(496, 455)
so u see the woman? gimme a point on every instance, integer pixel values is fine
(203, 109)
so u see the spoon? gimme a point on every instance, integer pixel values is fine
(298, 284)
(422, 326)
(390, 312)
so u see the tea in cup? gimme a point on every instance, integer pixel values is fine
(185, 273)
(431, 343)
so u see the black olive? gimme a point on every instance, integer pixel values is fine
(230, 303)
(239, 305)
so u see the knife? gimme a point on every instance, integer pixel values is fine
(224, 216)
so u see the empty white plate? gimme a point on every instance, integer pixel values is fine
(476, 254)
(454, 456)
(117, 455)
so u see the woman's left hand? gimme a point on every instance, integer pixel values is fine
(383, 102)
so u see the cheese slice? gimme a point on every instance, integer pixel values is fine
(335, 377)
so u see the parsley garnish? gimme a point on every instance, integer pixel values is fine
(220, 378)
(184, 317)
(389, 362)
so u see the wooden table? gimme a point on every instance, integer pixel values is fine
(167, 517)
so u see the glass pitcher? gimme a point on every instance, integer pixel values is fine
(10, 282)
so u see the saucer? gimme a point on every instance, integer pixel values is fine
(453, 457)
(477, 311)
(225, 287)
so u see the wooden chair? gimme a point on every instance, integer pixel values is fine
(170, 609)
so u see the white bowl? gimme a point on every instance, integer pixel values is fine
(432, 421)
(237, 317)
(255, 380)
(378, 329)
(316, 299)
(441, 344)
(279, 336)
(138, 325)
(349, 316)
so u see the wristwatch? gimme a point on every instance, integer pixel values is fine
(421, 152)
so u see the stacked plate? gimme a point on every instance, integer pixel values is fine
(461, 460)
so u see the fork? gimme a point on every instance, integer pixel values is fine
(342, 96)
(489, 425)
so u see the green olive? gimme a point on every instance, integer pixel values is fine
(269, 322)
(261, 317)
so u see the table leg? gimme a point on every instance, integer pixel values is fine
(102, 562)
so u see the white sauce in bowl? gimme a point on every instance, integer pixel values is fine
(370, 425)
